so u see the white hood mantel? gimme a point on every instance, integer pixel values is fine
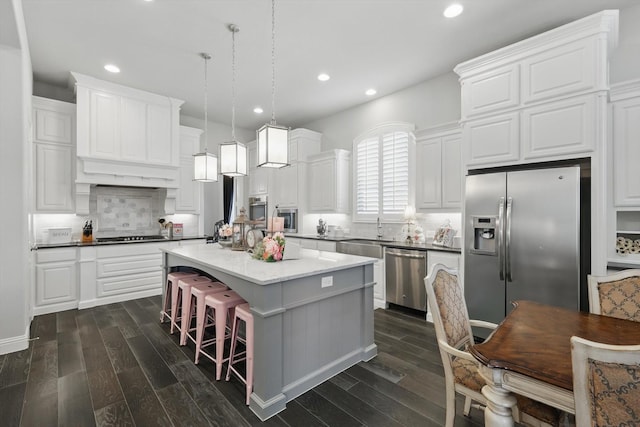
(125, 137)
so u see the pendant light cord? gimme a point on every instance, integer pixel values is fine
(206, 57)
(233, 83)
(273, 62)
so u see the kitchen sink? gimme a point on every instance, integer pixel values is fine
(364, 247)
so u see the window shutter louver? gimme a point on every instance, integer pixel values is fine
(367, 158)
(395, 172)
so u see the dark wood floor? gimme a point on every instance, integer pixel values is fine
(117, 365)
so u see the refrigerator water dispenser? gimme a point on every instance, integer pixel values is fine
(484, 235)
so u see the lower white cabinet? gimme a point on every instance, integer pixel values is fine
(320, 245)
(379, 294)
(56, 280)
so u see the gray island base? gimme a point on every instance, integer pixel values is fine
(313, 316)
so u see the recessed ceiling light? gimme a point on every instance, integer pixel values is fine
(258, 110)
(453, 10)
(371, 92)
(112, 68)
(323, 77)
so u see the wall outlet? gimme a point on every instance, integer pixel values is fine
(327, 281)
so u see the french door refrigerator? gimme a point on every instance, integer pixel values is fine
(522, 240)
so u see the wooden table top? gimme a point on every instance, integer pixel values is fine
(533, 340)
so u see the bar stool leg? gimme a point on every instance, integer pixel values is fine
(232, 349)
(249, 356)
(221, 325)
(176, 298)
(201, 316)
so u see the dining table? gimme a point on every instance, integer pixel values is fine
(529, 353)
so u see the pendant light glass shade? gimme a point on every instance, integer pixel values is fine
(273, 140)
(205, 167)
(273, 146)
(233, 159)
(205, 164)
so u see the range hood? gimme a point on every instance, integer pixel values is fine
(125, 137)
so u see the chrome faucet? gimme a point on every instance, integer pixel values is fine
(379, 229)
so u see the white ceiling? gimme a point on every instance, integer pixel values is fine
(386, 44)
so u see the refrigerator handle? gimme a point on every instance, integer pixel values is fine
(507, 240)
(500, 236)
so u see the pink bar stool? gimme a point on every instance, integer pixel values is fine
(221, 303)
(183, 284)
(243, 313)
(193, 303)
(171, 288)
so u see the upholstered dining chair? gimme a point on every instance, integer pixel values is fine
(453, 332)
(616, 295)
(606, 383)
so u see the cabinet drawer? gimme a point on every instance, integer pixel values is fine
(326, 246)
(131, 283)
(124, 266)
(128, 249)
(55, 255)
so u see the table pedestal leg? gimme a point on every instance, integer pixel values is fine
(499, 404)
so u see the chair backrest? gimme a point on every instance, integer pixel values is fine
(448, 307)
(606, 383)
(616, 295)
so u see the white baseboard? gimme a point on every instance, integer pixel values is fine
(54, 308)
(118, 298)
(380, 304)
(13, 344)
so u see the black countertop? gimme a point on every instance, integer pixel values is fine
(96, 243)
(386, 243)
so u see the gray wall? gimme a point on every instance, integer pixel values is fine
(625, 60)
(15, 117)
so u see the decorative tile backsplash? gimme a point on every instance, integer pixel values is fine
(124, 213)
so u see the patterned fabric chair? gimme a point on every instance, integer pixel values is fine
(606, 383)
(616, 295)
(453, 331)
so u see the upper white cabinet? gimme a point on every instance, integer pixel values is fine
(258, 177)
(543, 98)
(288, 184)
(189, 192)
(54, 151)
(126, 136)
(329, 182)
(626, 144)
(439, 168)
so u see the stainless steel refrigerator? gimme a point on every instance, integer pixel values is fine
(522, 240)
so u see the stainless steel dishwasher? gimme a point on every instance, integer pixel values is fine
(405, 272)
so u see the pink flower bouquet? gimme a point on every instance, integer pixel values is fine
(271, 248)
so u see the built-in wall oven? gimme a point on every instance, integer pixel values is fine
(258, 211)
(290, 216)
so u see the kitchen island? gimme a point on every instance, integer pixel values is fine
(313, 316)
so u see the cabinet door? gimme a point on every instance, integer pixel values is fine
(258, 181)
(490, 91)
(285, 187)
(626, 151)
(188, 192)
(322, 185)
(53, 126)
(327, 246)
(452, 171)
(134, 130)
(54, 178)
(104, 138)
(55, 282)
(379, 288)
(429, 185)
(492, 141)
(159, 147)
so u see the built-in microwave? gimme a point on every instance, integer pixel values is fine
(258, 211)
(290, 219)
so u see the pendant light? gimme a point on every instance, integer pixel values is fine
(233, 155)
(205, 164)
(273, 140)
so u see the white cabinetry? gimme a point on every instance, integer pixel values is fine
(125, 137)
(316, 244)
(329, 182)
(626, 144)
(53, 146)
(56, 280)
(379, 293)
(258, 177)
(439, 168)
(189, 192)
(543, 98)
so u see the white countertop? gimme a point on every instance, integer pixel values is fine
(242, 265)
